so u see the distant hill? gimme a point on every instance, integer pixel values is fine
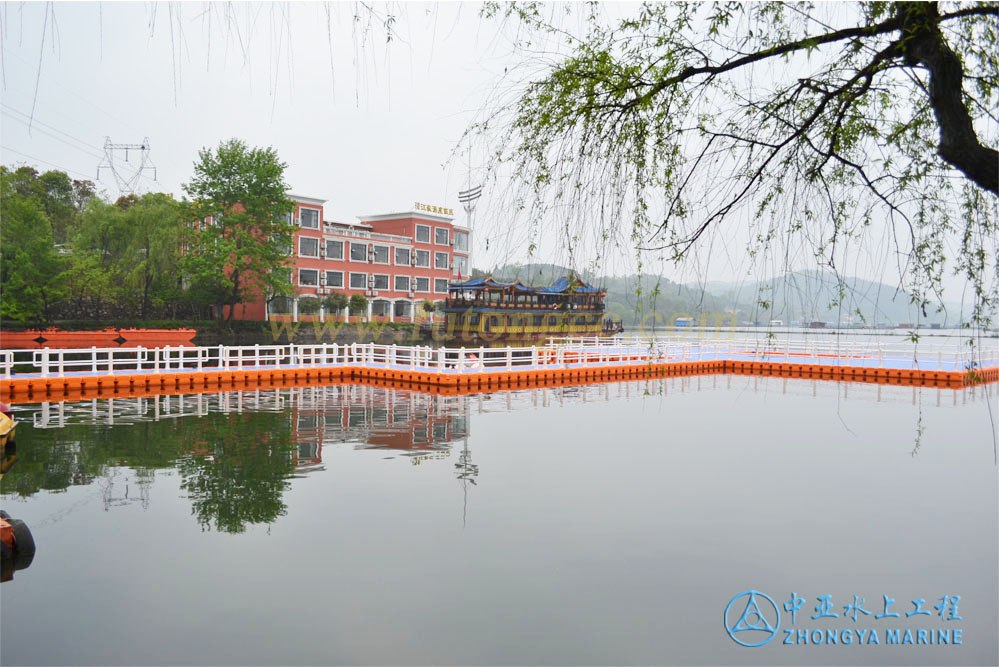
(798, 297)
(806, 296)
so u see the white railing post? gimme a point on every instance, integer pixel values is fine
(509, 358)
(93, 358)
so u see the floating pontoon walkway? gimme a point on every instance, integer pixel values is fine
(59, 374)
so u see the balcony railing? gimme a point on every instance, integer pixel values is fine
(391, 238)
(461, 304)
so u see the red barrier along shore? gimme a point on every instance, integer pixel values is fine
(57, 338)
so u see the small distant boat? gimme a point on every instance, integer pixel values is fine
(816, 325)
(776, 323)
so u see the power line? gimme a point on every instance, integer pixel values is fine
(33, 126)
(35, 121)
(51, 164)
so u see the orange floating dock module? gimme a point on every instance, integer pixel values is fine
(61, 339)
(83, 373)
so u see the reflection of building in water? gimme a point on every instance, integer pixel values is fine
(422, 426)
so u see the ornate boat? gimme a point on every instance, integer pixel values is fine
(485, 311)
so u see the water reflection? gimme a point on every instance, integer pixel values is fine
(236, 452)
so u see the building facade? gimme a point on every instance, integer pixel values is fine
(396, 260)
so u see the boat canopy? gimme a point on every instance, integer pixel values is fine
(564, 285)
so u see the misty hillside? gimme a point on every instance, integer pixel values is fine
(802, 297)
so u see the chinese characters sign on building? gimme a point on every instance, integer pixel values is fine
(439, 210)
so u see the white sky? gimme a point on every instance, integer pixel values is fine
(375, 140)
(372, 131)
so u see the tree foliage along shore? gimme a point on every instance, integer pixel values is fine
(816, 125)
(238, 252)
(69, 254)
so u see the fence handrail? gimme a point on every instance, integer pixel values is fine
(560, 352)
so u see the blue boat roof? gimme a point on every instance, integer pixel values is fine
(563, 285)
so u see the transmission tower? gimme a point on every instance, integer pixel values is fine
(126, 171)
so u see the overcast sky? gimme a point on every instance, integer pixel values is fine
(368, 124)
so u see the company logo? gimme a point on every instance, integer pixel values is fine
(751, 618)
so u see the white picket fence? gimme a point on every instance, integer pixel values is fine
(559, 353)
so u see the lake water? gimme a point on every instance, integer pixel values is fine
(605, 524)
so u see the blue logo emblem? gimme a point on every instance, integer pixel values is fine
(749, 623)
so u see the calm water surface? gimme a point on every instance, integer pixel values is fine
(607, 524)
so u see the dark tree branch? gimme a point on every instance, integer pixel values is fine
(923, 43)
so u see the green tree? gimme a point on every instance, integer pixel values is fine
(240, 234)
(358, 303)
(336, 302)
(53, 192)
(100, 261)
(155, 226)
(31, 270)
(307, 305)
(818, 124)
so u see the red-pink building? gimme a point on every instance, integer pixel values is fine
(396, 260)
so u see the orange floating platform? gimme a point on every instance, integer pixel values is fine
(34, 339)
(37, 389)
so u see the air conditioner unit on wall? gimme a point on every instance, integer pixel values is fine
(411, 295)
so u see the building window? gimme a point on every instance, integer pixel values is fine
(402, 256)
(358, 281)
(422, 257)
(460, 265)
(461, 241)
(422, 284)
(381, 281)
(358, 252)
(308, 277)
(403, 309)
(308, 246)
(402, 283)
(334, 249)
(334, 279)
(552, 321)
(539, 320)
(474, 320)
(441, 236)
(440, 260)
(309, 218)
(423, 233)
(440, 285)
(381, 254)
